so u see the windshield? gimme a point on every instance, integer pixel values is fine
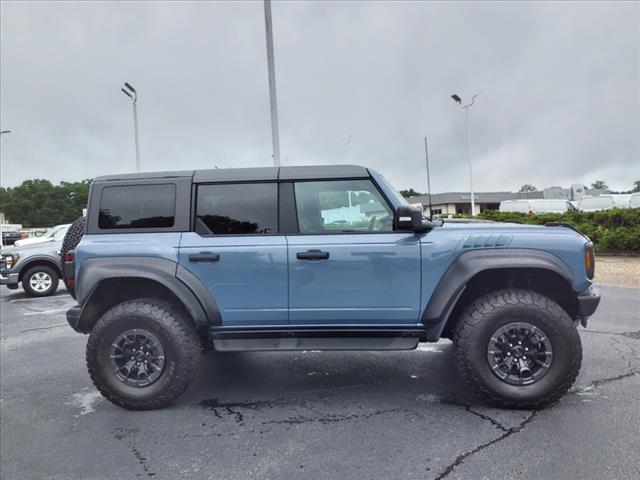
(59, 234)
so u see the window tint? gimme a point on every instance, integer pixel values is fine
(137, 206)
(237, 209)
(341, 206)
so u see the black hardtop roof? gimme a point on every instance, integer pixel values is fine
(250, 174)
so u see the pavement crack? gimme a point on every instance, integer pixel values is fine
(493, 421)
(43, 328)
(463, 456)
(617, 346)
(130, 433)
(142, 460)
(633, 335)
(602, 381)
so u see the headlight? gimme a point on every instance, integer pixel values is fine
(10, 260)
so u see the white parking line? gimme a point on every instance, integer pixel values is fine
(31, 299)
(44, 312)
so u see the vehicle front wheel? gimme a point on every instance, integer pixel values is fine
(142, 354)
(40, 281)
(517, 349)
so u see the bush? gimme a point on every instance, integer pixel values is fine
(616, 230)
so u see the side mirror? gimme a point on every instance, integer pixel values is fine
(410, 218)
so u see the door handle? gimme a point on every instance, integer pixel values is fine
(204, 257)
(312, 255)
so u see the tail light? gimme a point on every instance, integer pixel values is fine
(69, 272)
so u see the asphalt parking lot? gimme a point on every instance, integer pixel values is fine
(313, 415)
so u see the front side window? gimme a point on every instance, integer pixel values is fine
(237, 209)
(341, 206)
(137, 206)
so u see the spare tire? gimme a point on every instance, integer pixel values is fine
(70, 242)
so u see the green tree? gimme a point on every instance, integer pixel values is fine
(410, 193)
(527, 187)
(39, 203)
(600, 185)
(636, 186)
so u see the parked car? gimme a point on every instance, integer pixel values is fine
(247, 259)
(10, 236)
(535, 206)
(593, 203)
(36, 266)
(54, 234)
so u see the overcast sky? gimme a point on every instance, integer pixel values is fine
(360, 82)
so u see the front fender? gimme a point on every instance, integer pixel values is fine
(469, 264)
(27, 262)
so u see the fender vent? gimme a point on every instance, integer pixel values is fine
(486, 241)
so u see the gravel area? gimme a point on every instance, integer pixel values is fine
(618, 271)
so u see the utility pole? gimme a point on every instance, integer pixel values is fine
(133, 95)
(426, 155)
(275, 131)
(466, 107)
(3, 132)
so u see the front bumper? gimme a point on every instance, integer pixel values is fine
(588, 302)
(9, 279)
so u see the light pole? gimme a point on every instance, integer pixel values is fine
(466, 107)
(130, 92)
(275, 130)
(2, 239)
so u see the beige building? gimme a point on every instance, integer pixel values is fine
(455, 203)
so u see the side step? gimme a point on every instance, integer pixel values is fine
(242, 340)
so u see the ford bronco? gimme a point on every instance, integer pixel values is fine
(322, 258)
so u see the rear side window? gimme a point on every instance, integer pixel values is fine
(237, 209)
(137, 206)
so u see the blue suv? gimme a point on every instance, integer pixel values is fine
(323, 258)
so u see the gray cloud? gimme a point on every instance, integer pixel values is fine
(560, 90)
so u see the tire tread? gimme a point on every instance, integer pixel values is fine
(171, 320)
(469, 323)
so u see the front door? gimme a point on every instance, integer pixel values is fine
(347, 265)
(237, 253)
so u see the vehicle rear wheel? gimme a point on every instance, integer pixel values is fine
(517, 349)
(40, 281)
(70, 242)
(142, 354)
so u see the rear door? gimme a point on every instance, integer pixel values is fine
(236, 251)
(347, 265)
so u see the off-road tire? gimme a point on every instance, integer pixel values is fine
(178, 338)
(49, 270)
(488, 313)
(70, 242)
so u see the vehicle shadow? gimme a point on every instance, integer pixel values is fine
(331, 378)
